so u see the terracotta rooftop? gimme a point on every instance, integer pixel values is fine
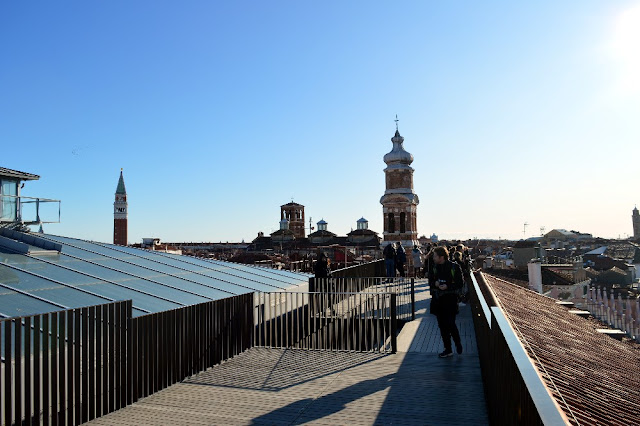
(594, 378)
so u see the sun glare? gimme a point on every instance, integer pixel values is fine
(626, 48)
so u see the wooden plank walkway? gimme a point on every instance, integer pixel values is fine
(273, 386)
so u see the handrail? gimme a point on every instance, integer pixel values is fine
(18, 199)
(548, 410)
(506, 364)
(483, 303)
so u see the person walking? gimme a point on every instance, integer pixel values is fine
(389, 253)
(401, 258)
(445, 280)
(416, 254)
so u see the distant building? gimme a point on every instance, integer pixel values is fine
(284, 234)
(399, 202)
(635, 219)
(322, 235)
(294, 213)
(363, 235)
(120, 214)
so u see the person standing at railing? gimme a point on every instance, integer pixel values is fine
(322, 269)
(445, 279)
(401, 259)
(416, 254)
(389, 253)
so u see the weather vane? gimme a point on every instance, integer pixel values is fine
(396, 120)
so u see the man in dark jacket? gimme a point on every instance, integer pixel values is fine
(445, 280)
(389, 253)
(321, 268)
(401, 258)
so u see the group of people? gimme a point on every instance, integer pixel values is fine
(447, 270)
(395, 259)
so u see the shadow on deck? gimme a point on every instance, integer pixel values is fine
(280, 386)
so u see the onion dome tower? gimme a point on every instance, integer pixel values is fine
(120, 214)
(399, 202)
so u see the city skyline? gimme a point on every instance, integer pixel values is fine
(219, 114)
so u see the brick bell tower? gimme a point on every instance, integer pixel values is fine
(294, 213)
(399, 202)
(120, 214)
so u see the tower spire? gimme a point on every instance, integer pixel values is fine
(396, 120)
(120, 216)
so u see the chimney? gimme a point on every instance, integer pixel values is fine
(535, 275)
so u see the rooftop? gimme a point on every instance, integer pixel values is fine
(84, 273)
(593, 378)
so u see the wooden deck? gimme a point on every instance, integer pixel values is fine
(272, 386)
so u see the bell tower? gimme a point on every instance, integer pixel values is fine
(399, 202)
(294, 213)
(120, 214)
(635, 218)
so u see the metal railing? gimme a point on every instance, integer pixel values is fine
(515, 392)
(75, 365)
(374, 268)
(404, 288)
(27, 210)
(326, 321)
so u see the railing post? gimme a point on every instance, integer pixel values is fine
(413, 299)
(394, 339)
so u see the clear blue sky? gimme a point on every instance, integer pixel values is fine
(219, 112)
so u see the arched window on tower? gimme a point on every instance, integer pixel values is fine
(402, 223)
(392, 223)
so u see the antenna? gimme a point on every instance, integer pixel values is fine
(524, 230)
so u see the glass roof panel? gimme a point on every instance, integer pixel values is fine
(272, 277)
(233, 276)
(14, 304)
(208, 288)
(171, 295)
(232, 273)
(46, 289)
(85, 282)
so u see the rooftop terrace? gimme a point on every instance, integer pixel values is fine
(327, 356)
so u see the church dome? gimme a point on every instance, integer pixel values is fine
(398, 155)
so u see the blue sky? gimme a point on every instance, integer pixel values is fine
(219, 112)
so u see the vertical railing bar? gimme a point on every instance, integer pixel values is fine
(110, 377)
(394, 325)
(28, 388)
(70, 366)
(17, 368)
(116, 323)
(286, 320)
(62, 396)
(37, 378)
(77, 354)
(297, 319)
(53, 411)
(99, 361)
(91, 381)
(45, 370)
(122, 329)
(130, 379)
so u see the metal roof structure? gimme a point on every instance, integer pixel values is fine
(43, 273)
(17, 174)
